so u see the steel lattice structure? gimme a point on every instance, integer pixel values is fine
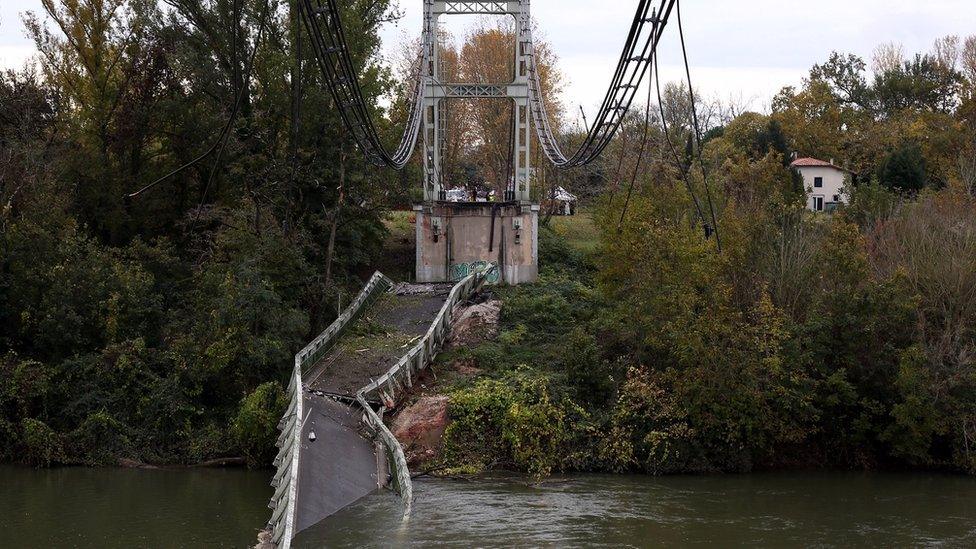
(426, 115)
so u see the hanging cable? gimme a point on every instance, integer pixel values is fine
(225, 131)
(643, 145)
(674, 152)
(633, 66)
(244, 86)
(620, 169)
(698, 136)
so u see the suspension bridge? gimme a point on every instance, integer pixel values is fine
(334, 447)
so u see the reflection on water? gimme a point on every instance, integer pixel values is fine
(78, 507)
(106, 508)
(781, 509)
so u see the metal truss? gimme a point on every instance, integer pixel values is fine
(428, 108)
(438, 95)
(473, 8)
(475, 90)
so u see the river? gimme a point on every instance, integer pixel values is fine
(77, 507)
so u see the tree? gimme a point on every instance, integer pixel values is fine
(486, 56)
(923, 83)
(98, 52)
(904, 169)
(887, 57)
(845, 76)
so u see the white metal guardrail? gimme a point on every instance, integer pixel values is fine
(399, 378)
(285, 481)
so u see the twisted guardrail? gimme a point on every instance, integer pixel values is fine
(396, 380)
(400, 378)
(285, 481)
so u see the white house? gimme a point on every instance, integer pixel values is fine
(824, 183)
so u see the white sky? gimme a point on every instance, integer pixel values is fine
(743, 50)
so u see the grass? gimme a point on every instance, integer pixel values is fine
(398, 258)
(579, 231)
(400, 224)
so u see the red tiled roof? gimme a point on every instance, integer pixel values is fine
(813, 162)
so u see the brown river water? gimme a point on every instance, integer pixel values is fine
(78, 507)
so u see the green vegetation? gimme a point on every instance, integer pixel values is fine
(690, 361)
(399, 259)
(810, 340)
(161, 327)
(579, 231)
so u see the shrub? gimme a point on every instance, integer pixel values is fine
(514, 422)
(649, 430)
(904, 169)
(42, 445)
(255, 428)
(586, 371)
(99, 440)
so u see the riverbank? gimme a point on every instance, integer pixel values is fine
(673, 376)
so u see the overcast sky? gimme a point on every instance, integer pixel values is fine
(744, 50)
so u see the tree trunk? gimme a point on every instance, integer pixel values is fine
(330, 250)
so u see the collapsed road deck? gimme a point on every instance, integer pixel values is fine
(339, 461)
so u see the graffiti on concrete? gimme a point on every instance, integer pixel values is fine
(461, 270)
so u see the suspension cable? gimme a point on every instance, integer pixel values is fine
(677, 159)
(643, 145)
(633, 66)
(341, 78)
(225, 131)
(698, 136)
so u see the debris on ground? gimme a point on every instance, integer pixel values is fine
(475, 323)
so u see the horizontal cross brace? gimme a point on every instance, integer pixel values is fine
(514, 91)
(457, 7)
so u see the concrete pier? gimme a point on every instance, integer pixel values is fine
(455, 237)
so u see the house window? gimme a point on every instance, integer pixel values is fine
(836, 198)
(817, 182)
(818, 203)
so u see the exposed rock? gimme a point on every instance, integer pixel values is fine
(475, 323)
(420, 427)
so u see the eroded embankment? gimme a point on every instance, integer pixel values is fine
(422, 417)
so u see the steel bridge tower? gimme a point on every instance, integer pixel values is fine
(453, 238)
(436, 92)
